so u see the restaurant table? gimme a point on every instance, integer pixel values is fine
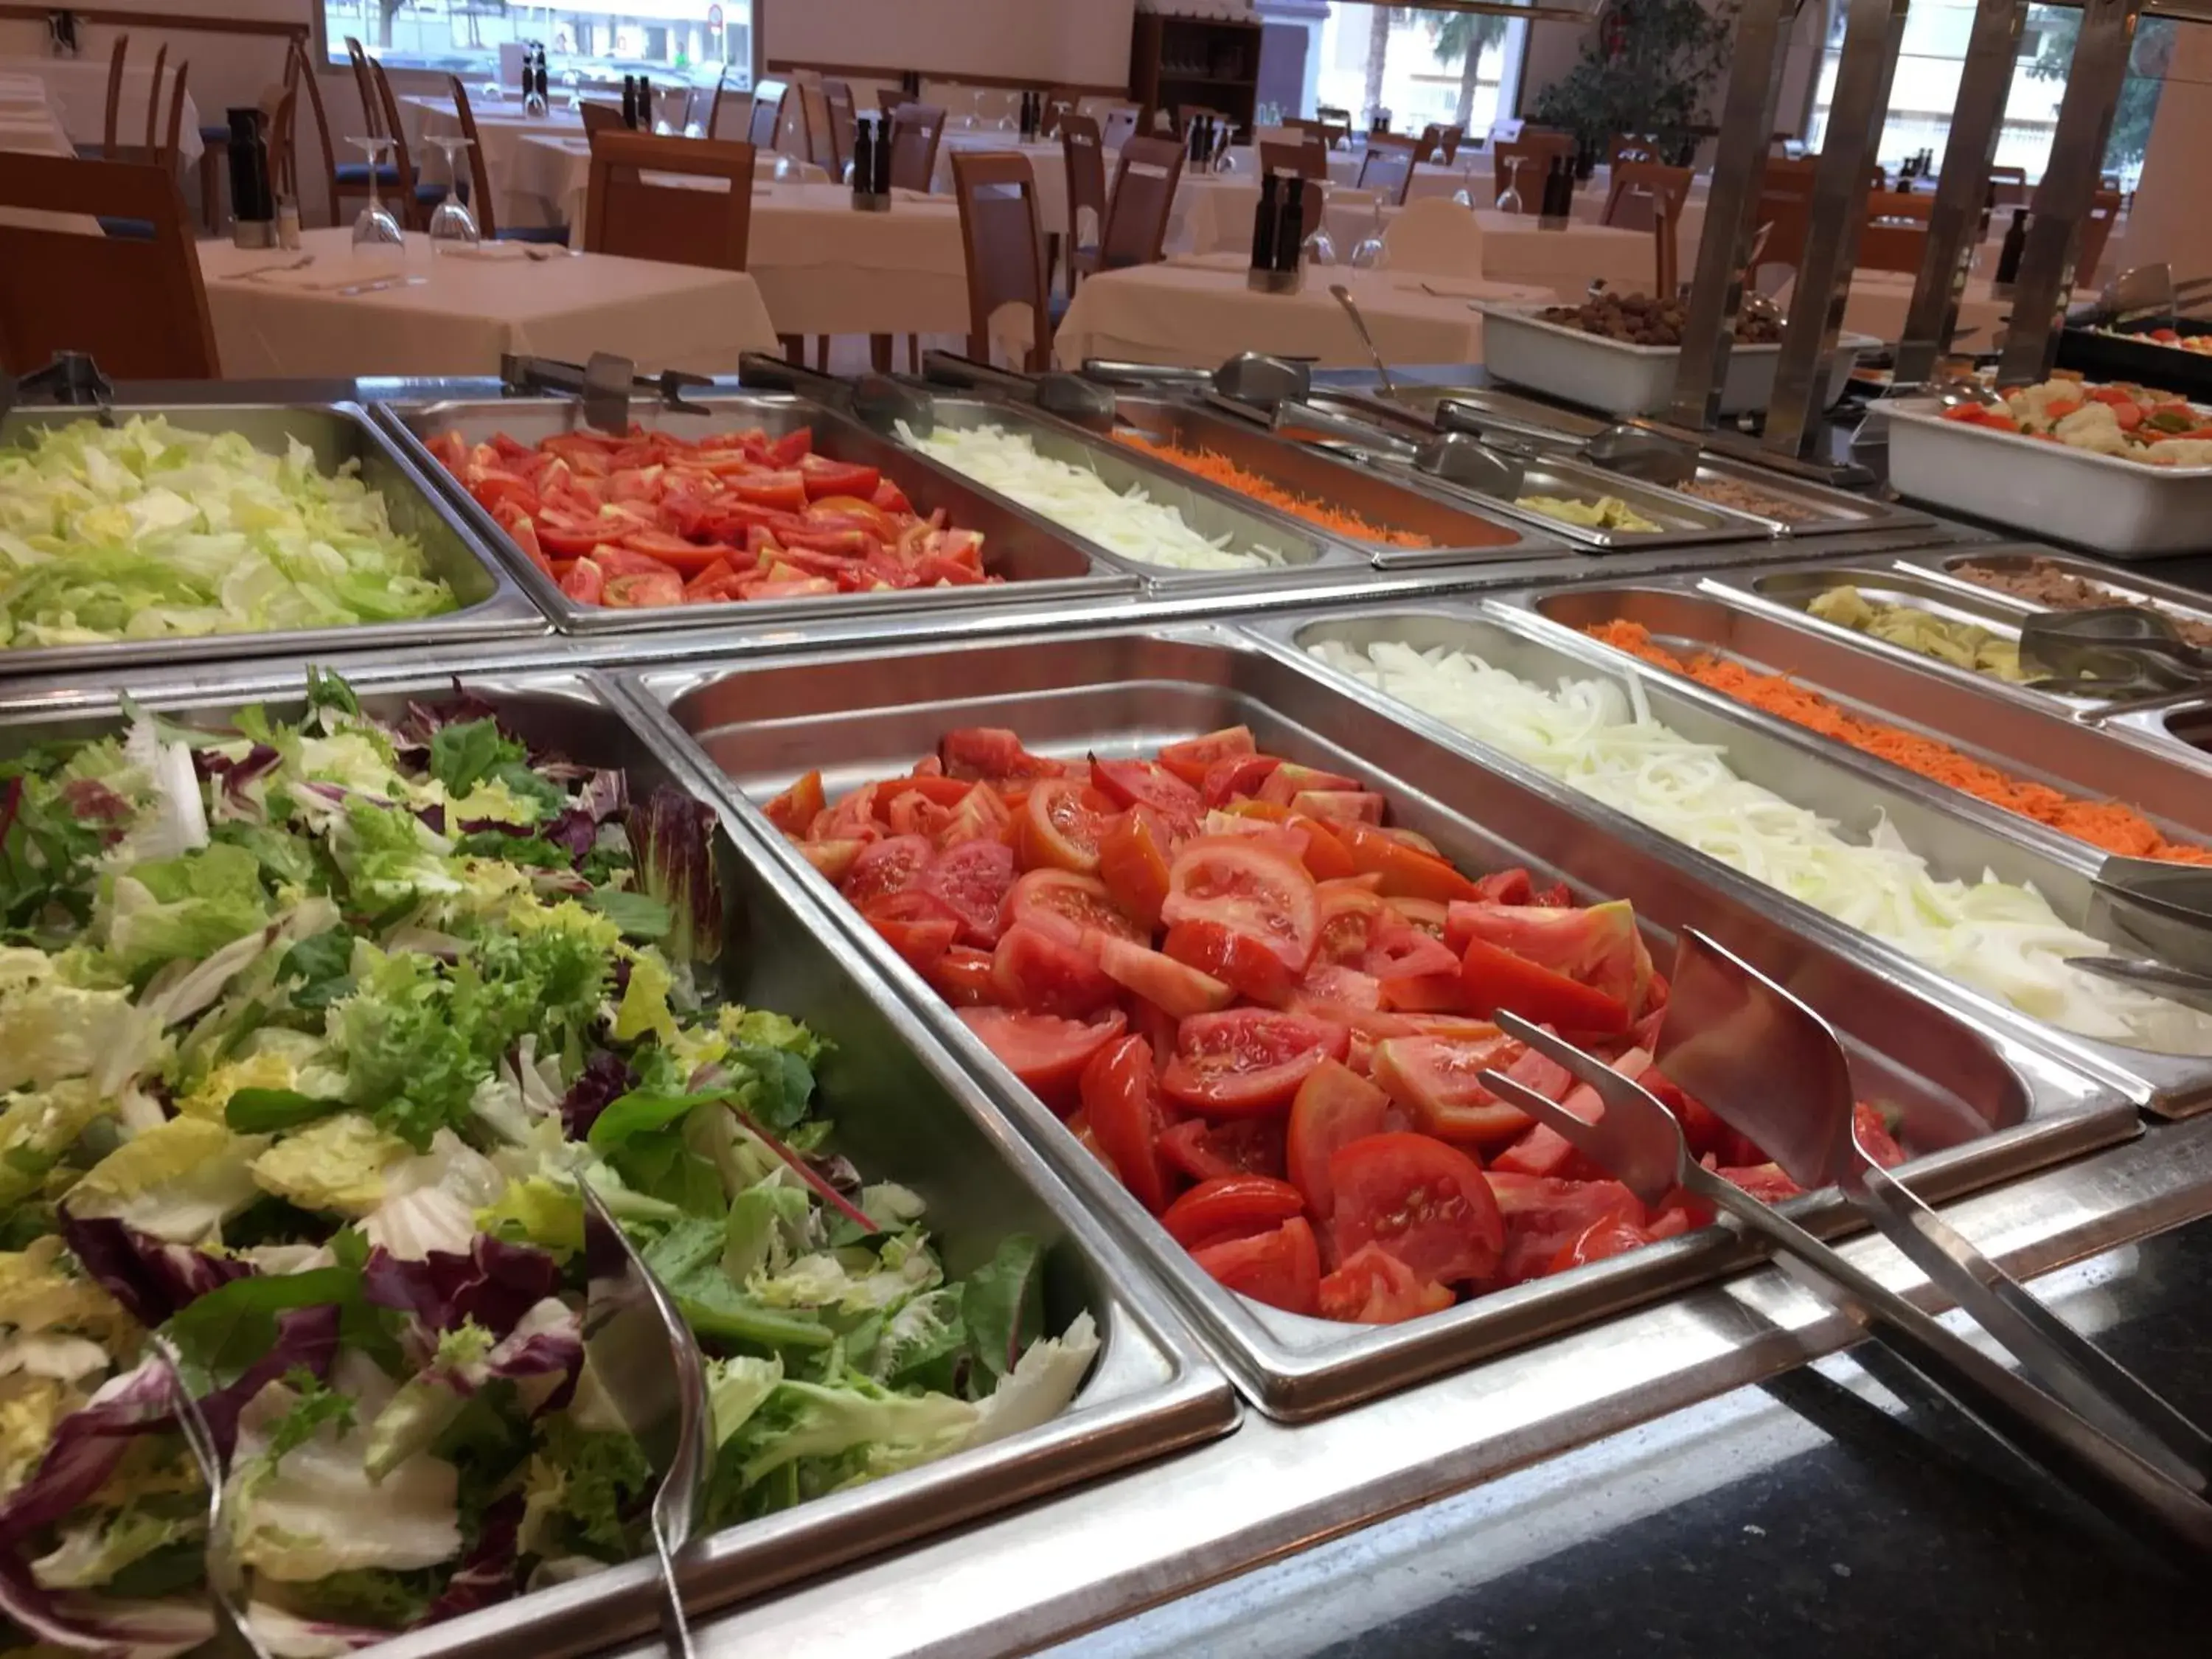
(76, 90)
(1047, 162)
(1217, 214)
(549, 176)
(456, 315)
(1878, 300)
(825, 269)
(500, 127)
(1199, 311)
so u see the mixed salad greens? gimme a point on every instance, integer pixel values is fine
(308, 1033)
(148, 530)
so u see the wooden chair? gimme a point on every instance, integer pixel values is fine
(916, 131)
(820, 140)
(1646, 196)
(601, 118)
(1448, 145)
(627, 214)
(372, 109)
(1335, 125)
(342, 178)
(1785, 206)
(1119, 127)
(712, 127)
(1535, 150)
(418, 196)
(1895, 235)
(136, 306)
(1430, 146)
(480, 194)
(283, 157)
(1059, 104)
(110, 135)
(1145, 183)
(837, 95)
(160, 149)
(1387, 167)
(1083, 154)
(1004, 248)
(764, 131)
(2008, 188)
(1627, 146)
(888, 100)
(2096, 230)
(1308, 158)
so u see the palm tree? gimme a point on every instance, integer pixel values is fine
(1466, 36)
(1378, 52)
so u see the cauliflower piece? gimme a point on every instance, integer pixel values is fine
(2180, 452)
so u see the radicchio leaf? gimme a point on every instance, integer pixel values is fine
(87, 1446)
(306, 1340)
(139, 1630)
(152, 1280)
(490, 1572)
(605, 1076)
(494, 1285)
(257, 762)
(673, 838)
(604, 794)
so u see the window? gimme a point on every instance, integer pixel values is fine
(665, 37)
(1449, 68)
(1926, 87)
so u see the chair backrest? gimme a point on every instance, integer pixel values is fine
(1895, 235)
(173, 135)
(1785, 204)
(1628, 147)
(302, 73)
(1639, 188)
(1119, 123)
(601, 118)
(1430, 146)
(838, 96)
(1387, 167)
(915, 130)
(1145, 181)
(2008, 188)
(1336, 124)
(713, 127)
(480, 207)
(109, 137)
(814, 118)
(283, 149)
(2096, 229)
(888, 99)
(1435, 235)
(372, 111)
(153, 98)
(136, 306)
(397, 133)
(1308, 158)
(628, 214)
(1000, 232)
(1083, 153)
(1060, 103)
(1535, 150)
(765, 130)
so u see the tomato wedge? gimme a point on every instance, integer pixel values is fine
(1133, 862)
(1122, 1099)
(1059, 827)
(887, 867)
(1496, 978)
(1406, 870)
(1238, 883)
(1334, 1106)
(1248, 1061)
(1070, 908)
(1436, 1079)
(1202, 1150)
(1174, 987)
(1142, 783)
(916, 925)
(1048, 1055)
(1231, 1207)
(1194, 757)
(992, 754)
(1239, 961)
(1373, 1287)
(1425, 1202)
(1033, 970)
(962, 977)
(972, 879)
(1281, 1268)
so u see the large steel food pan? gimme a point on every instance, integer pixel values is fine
(1037, 563)
(904, 1111)
(2126, 587)
(1455, 531)
(1985, 1104)
(1305, 553)
(490, 605)
(1689, 617)
(1957, 843)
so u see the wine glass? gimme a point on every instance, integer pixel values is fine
(452, 226)
(376, 230)
(1367, 252)
(1509, 199)
(1318, 248)
(786, 170)
(491, 92)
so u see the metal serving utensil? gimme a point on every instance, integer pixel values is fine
(1633, 451)
(877, 401)
(1638, 1141)
(1084, 403)
(2181, 985)
(646, 1358)
(603, 385)
(1250, 377)
(1342, 296)
(2160, 909)
(2112, 643)
(2135, 294)
(1452, 457)
(226, 1576)
(1773, 1070)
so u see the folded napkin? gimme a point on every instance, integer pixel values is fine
(325, 274)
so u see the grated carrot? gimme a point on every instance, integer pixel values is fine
(2109, 824)
(1222, 471)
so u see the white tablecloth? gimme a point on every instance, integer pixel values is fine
(1878, 300)
(76, 90)
(466, 311)
(824, 269)
(1199, 312)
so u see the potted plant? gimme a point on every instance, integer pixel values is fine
(1647, 69)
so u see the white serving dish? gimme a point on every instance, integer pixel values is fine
(2124, 510)
(1621, 378)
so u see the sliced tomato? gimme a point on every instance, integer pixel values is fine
(1373, 1287)
(1290, 779)
(565, 538)
(993, 754)
(1496, 979)
(1194, 757)
(686, 558)
(1599, 946)
(1406, 870)
(1281, 1268)
(1353, 918)
(1174, 987)
(1339, 805)
(785, 492)
(1033, 969)
(585, 582)
(643, 592)
(1873, 1136)
(825, 477)
(1436, 1081)
(1231, 1207)
(1608, 1236)
(914, 924)
(834, 859)
(1542, 1215)
(1087, 1138)
(1047, 1054)
(972, 879)
(1248, 1059)
(1059, 827)
(1072, 908)
(1133, 862)
(1338, 986)
(962, 977)
(1243, 886)
(1202, 1151)
(1134, 783)
(889, 867)
(980, 815)
(1425, 1202)
(1324, 858)
(1241, 961)
(1121, 1097)
(1765, 1182)
(1512, 886)
(1235, 777)
(1333, 1107)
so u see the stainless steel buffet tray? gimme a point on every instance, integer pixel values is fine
(1457, 531)
(1986, 1103)
(904, 1109)
(2126, 583)
(1040, 566)
(490, 605)
(1957, 843)
(1690, 617)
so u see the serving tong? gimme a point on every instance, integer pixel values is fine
(603, 386)
(1251, 379)
(2114, 650)
(2160, 907)
(1455, 458)
(2138, 294)
(1772, 1069)
(877, 401)
(72, 378)
(1633, 451)
(1083, 402)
